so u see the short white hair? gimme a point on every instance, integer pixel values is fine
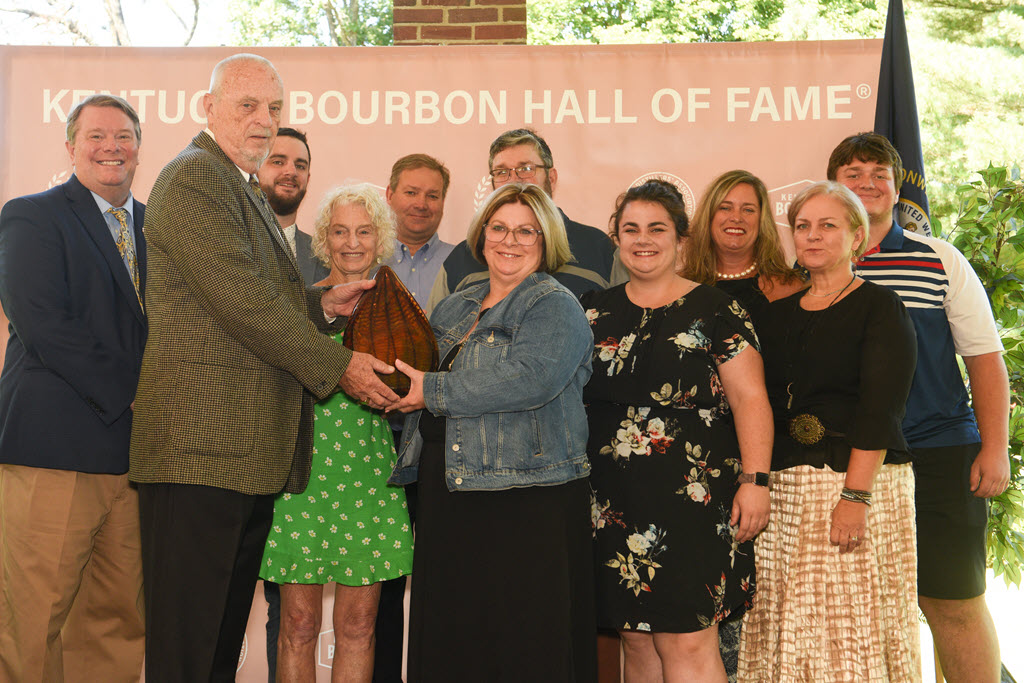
(217, 77)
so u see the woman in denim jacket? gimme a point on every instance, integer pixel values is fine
(503, 561)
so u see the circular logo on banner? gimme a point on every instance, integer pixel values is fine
(242, 652)
(680, 184)
(913, 218)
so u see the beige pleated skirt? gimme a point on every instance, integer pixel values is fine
(820, 616)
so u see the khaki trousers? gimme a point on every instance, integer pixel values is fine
(71, 603)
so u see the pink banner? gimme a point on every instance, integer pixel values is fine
(611, 114)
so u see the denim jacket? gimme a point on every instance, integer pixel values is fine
(514, 396)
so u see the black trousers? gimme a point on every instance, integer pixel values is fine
(272, 594)
(201, 553)
(390, 630)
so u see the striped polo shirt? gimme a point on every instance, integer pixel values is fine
(952, 315)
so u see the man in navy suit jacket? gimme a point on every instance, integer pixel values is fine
(72, 276)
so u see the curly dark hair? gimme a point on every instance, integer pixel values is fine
(657, 192)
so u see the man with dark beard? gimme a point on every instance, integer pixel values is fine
(284, 177)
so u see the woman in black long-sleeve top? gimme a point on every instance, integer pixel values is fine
(836, 566)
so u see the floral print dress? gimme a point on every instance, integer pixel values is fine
(349, 526)
(665, 459)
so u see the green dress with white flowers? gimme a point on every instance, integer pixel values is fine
(349, 526)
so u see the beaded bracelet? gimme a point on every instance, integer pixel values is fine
(856, 496)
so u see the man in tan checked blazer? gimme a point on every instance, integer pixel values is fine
(235, 356)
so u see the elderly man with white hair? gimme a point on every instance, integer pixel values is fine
(235, 358)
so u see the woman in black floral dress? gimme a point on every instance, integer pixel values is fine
(678, 410)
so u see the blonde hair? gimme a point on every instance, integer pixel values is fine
(701, 262)
(367, 196)
(555, 248)
(856, 214)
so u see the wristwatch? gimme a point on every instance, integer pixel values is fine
(755, 478)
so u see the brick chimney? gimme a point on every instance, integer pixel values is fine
(460, 22)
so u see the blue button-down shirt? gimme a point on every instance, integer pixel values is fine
(418, 271)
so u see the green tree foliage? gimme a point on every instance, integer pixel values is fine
(312, 22)
(988, 227)
(680, 21)
(970, 94)
(976, 22)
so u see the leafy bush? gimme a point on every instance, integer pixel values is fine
(989, 229)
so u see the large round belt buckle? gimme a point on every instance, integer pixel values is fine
(806, 429)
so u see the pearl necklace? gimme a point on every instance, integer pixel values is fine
(737, 276)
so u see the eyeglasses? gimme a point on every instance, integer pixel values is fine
(525, 237)
(526, 172)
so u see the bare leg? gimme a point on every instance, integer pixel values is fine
(301, 609)
(690, 656)
(965, 637)
(641, 661)
(608, 664)
(355, 619)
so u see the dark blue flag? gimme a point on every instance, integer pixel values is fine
(896, 119)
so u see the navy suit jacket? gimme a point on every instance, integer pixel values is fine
(77, 333)
(312, 270)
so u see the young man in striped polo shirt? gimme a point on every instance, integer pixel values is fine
(959, 461)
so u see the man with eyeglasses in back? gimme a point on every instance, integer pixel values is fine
(521, 155)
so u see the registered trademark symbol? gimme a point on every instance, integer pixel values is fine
(863, 91)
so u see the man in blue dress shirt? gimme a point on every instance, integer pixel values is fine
(416, 193)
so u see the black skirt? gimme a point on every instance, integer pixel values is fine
(502, 587)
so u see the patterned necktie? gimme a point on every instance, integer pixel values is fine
(254, 183)
(127, 248)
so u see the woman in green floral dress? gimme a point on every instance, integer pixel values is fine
(349, 527)
(677, 410)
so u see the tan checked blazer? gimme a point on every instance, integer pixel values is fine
(234, 355)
